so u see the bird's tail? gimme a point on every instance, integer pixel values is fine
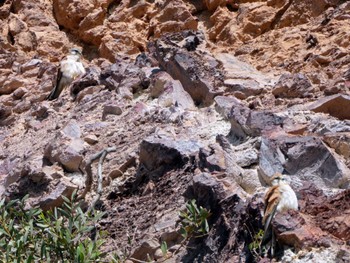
(268, 233)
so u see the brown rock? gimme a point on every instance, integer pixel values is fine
(53, 171)
(19, 93)
(91, 139)
(27, 40)
(67, 148)
(293, 230)
(5, 112)
(336, 106)
(22, 106)
(173, 17)
(91, 27)
(71, 13)
(246, 122)
(328, 212)
(340, 142)
(111, 110)
(213, 159)
(90, 79)
(147, 249)
(11, 84)
(54, 198)
(71, 157)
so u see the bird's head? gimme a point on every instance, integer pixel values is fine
(75, 51)
(277, 179)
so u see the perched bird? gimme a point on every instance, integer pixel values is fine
(279, 198)
(70, 68)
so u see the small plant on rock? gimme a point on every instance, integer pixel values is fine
(193, 221)
(254, 246)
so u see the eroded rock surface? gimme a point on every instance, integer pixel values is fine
(202, 100)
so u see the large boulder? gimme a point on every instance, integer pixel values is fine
(304, 158)
(200, 74)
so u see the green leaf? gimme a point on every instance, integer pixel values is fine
(42, 225)
(164, 248)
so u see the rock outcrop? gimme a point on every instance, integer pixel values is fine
(202, 100)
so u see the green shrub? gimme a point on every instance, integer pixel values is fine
(193, 221)
(59, 235)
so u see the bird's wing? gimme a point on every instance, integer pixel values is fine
(81, 68)
(272, 198)
(55, 92)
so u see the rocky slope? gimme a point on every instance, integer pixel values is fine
(202, 99)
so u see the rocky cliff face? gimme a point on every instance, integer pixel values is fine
(202, 99)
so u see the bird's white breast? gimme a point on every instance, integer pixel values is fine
(288, 199)
(72, 69)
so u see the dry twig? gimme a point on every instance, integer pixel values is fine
(89, 178)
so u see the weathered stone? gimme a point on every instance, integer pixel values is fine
(91, 139)
(54, 198)
(249, 181)
(30, 65)
(40, 111)
(147, 249)
(242, 77)
(293, 231)
(19, 93)
(224, 104)
(111, 109)
(173, 17)
(12, 84)
(306, 158)
(67, 148)
(213, 159)
(209, 191)
(90, 78)
(22, 106)
(202, 80)
(71, 157)
(131, 161)
(53, 171)
(72, 130)
(171, 238)
(170, 92)
(87, 93)
(245, 122)
(336, 106)
(293, 86)
(5, 112)
(156, 153)
(340, 142)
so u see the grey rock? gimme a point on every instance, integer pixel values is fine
(91, 78)
(200, 75)
(170, 92)
(111, 109)
(293, 86)
(242, 78)
(306, 158)
(147, 249)
(72, 130)
(167, 152)
(224, 104)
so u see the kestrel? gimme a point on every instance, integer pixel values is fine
(279, 198)
(70, 69)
